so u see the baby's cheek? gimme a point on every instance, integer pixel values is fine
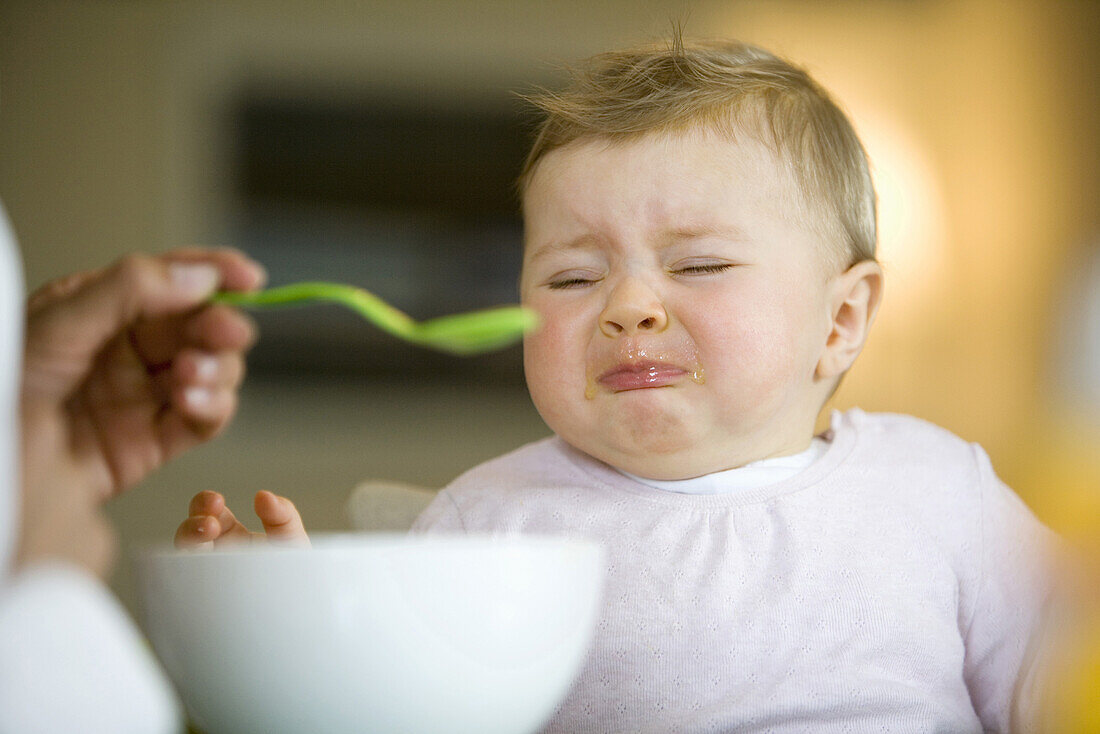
(753, 360)
(548, 345)
(550, 364)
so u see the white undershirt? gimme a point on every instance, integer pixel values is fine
(750, 476)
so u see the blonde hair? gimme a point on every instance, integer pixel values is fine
(727, 86)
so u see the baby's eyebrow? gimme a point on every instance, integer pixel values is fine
(667, 237)
(581, 242)
(725, 231)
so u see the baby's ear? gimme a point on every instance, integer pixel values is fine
(855, 300)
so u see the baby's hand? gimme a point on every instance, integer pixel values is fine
(212, 524)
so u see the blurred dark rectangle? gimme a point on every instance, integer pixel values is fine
(413, 203)
(458, 162)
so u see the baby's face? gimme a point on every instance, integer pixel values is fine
(684, 308)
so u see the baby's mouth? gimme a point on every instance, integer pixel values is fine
(641, 375)
(635, 367)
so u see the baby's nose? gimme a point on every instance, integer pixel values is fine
(633, 308)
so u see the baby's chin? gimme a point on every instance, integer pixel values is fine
(646, 431)
(669, 450)
(646, 453)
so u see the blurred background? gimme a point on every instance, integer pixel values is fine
(375, 143)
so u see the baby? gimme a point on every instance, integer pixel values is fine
(700, 248)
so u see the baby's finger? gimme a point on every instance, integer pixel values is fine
(197, 532)
(281, 520)
(211, 505)
(206, 503)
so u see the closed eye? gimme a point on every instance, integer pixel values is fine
(702, 269)
(566, 283)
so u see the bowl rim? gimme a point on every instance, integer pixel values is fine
(339, 541)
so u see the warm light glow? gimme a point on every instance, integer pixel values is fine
(911, 224)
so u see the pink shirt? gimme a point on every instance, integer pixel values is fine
(895, 584)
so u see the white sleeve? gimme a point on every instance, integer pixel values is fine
(1015, 587)
(71, 660)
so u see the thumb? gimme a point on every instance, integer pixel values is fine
(280, 519)
(73, 319)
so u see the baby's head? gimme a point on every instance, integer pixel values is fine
(700, 238)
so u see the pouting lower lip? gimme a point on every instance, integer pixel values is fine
(635, 376)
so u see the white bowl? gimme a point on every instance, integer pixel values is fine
(374, 633)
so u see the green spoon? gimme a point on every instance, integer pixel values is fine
(464, 333)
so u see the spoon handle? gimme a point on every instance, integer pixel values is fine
(370, 306)
(464, 333)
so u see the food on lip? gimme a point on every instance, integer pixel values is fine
(636, 378)
(634, 366)
(643, 366)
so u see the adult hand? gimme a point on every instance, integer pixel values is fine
(124, 368)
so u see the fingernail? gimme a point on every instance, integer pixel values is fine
(194, 278)
(261, 273)
(197, 397)
(206, 368)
